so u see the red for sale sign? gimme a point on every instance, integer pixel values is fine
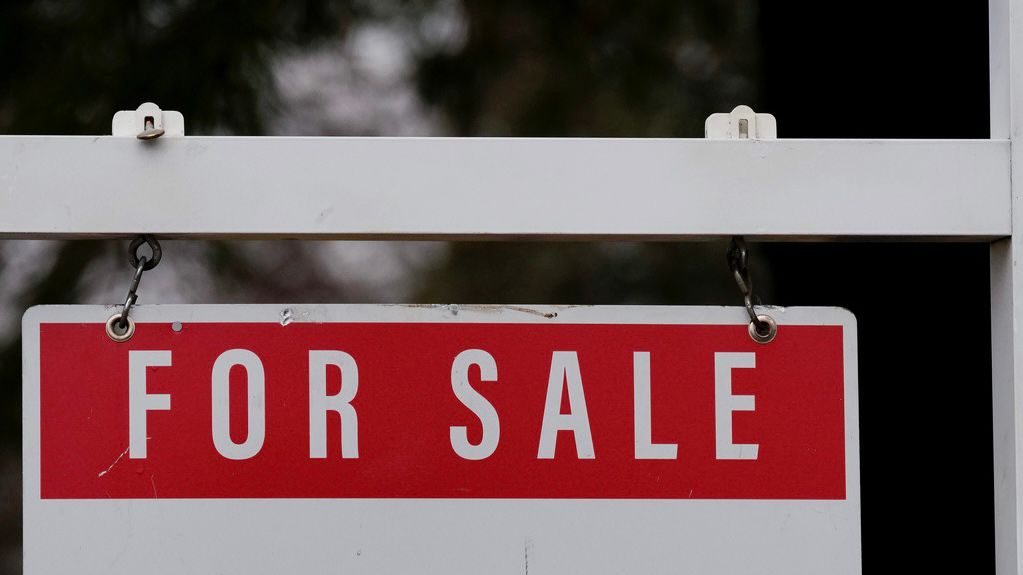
(447, 420)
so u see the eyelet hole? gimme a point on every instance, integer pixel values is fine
(118, 331)
(767, 331)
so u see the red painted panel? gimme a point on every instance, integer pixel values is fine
(405, 407)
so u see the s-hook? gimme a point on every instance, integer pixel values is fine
(762, 327)
(120, 326)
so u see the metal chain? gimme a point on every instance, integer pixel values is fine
(120, 327)
(762, 328)
(154, 247)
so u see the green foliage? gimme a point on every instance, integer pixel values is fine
(610, 68)
(69, 65)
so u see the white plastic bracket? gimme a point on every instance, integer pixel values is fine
(740, 124)
(147, 122)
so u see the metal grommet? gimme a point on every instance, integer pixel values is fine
(765, 336)
(117, 330)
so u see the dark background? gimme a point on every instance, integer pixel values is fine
(868, 69)
(890, 70)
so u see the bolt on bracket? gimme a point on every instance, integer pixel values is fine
(740, 124)
(148, 122)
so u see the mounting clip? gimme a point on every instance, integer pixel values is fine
(148, 122)
(741, 124)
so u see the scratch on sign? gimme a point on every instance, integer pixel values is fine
(119, 457)
(525, 547)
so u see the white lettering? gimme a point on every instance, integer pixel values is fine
(341, 403)
(565, 369)
(476, 403)
(256, 393)
(645, 447)
(140, 402)
(725, 404)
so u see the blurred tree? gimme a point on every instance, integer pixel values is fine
(69, 65)
(535, 68)
(572, 69)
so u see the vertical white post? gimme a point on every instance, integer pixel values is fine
(1006, 56)
(1007, 399)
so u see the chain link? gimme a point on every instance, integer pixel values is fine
(120, 327)
(762, 327)
(154, 247)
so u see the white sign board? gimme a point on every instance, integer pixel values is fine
(440, 439)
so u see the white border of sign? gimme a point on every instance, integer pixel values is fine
(498, 536)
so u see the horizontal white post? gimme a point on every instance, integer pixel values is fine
(439, 188)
